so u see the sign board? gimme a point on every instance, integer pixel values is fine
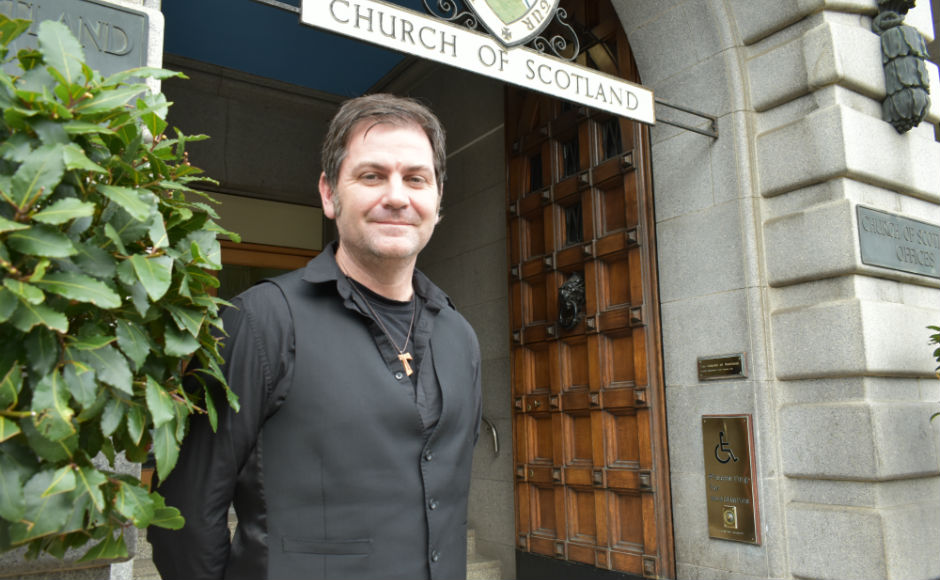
(114, 37)
(731, 493)
(729, 366)
(432, 39)
(899, 243)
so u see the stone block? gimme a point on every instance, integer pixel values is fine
(832, 543)
(830, 53)
(850, 338)
(701, 253)
(840, 142)
(758, 20)
(711, 325)
(913, 555)
(870, 441)
(818, 242)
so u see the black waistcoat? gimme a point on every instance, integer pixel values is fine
(351, 487)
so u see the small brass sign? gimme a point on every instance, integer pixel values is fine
(729, 366)
(731, 493)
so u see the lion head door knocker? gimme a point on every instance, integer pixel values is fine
(571, 301)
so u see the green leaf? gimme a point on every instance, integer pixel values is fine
(154, 273)
(129, 199)
(179, 342)
(65, 210)
(51, 414)
(8, 303)
(42, 240)
(89, 480)
(26, 292)
(53, 451)
(165, 516)
(159, 403)
(61, 50)
(81, 288)
(8, 429)
(157, 232)
(50, 132)
(29, 315)
(10, 387)
(141, 72)
(110, 548)
(95, 261)
(75, 159)
(12, 500)
(165, 448)
(111, 417)
(136, 421)
(110, 366)
(211, 411)
(90, 337)
(133, 341)
(80, 379)
(42, 350)
(188, 319)
(78, 127)
(115, 237)
(44, 515)
(10, 29)
(10, 225)
(108, 100)
(134, 503)
(62, 481)
(37, 176)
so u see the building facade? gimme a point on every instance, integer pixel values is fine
(747, 246)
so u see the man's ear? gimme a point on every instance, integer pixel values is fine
(326, 197)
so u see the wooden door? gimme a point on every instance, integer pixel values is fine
(592, 475)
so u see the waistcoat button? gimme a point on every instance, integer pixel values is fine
(435, 556)
(399, 375)
(432, 504)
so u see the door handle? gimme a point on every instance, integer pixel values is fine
(493, 433)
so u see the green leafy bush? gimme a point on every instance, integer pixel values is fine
(106, 266)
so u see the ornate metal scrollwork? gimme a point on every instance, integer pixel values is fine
(452, 11)
(904, 52)
(564, 43)
(560, 39)
(571, 301)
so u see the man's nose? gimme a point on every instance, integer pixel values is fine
(396, 194)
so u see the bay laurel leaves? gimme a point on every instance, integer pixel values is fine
(82, 288)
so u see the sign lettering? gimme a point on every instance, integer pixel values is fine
(412, 33)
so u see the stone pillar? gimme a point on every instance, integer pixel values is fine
(855, 380)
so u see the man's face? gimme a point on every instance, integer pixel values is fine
(386, 198)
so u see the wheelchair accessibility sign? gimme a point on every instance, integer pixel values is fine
(731, 493)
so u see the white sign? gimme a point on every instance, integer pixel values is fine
(407, 31)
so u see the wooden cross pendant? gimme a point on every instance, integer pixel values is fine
(404, 358)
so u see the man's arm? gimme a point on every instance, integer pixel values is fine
(202, 485)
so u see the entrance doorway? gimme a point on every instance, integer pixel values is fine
(590, 456)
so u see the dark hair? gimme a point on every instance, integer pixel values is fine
(381, 108)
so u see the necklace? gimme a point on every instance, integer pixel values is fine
(403, 356)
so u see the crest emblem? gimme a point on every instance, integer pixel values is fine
(514, 22)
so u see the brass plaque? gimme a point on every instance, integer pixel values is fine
(731, 493)
(729, 366)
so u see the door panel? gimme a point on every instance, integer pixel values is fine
(589, 426)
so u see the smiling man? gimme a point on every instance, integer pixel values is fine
(359, 386)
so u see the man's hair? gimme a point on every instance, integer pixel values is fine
(376, 109)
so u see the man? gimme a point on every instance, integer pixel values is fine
(359, 387)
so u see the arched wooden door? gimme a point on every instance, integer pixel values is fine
(592, 474)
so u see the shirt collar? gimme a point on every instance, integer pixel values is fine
(323, 270)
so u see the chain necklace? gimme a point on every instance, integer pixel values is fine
(403, 356)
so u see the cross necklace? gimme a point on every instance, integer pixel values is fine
(403, 355)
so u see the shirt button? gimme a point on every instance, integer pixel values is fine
(432, 504)
(435, 556)
(428, 455)
(399, 375)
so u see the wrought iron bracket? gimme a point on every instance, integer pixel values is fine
(711, 131)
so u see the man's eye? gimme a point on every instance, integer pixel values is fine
(370, 177)
(417, 179)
